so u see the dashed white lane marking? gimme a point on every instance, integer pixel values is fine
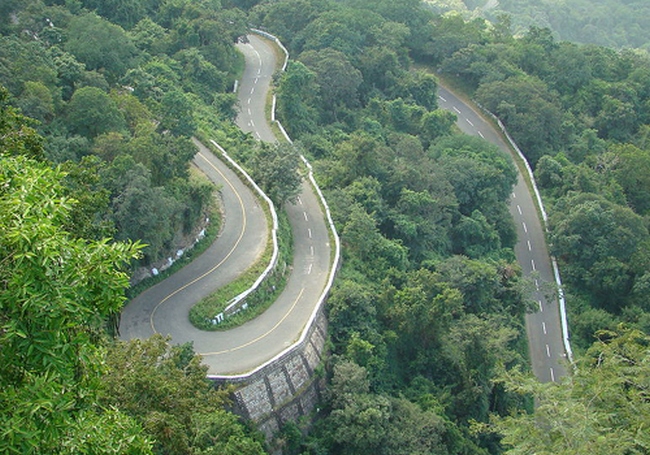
(544, 327)
(442, 99)
(456, 109)
(309, 232)
(257, 79)
(525, 227)
(552, 375)
(305, 215)
(536, 284)
(249, 111)
(311, 249)
(309, 269)
(252, 123)
(481, 134)
(258, 135)
(541, 307)
(514, 196)
(548, 351)
(249, 101)
(252, 90)
(469, 121)
(299, 200)
(532, 263)
(530, 247)
(519, 208)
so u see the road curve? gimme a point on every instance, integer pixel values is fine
(164, 307)
(543, 327)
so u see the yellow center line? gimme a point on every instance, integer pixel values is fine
(241, 235)
(237, 348)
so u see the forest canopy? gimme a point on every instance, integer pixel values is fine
(427, 316)
(612, 23)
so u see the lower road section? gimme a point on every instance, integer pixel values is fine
(543, 326)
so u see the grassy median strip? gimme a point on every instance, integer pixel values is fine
(203, 313)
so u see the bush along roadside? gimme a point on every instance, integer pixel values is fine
(211, 232)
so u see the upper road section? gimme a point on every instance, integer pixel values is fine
(261, 63)
(543, 326)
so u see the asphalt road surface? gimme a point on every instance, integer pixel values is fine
(164, 308)
(543, 327)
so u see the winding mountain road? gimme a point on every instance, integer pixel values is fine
(164, 308)
(543, 327)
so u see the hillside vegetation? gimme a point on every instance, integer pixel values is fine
(427, 315)
(612, 23)
(422, 215)
(95, 126)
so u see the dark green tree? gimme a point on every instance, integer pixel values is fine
(92, 112)
(276, 169)
(165, 389)
(177, 114)
(100, 45)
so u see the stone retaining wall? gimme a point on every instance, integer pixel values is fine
(285, 389)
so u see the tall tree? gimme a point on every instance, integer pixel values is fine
(275, 169)
(92, 112)
(101, 45)
(56, 291)
(165, 389)
(601, 409)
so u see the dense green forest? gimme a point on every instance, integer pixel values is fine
(428, 306)
(427, 328)
(422, 215)
(114, 97)
(611, 23)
